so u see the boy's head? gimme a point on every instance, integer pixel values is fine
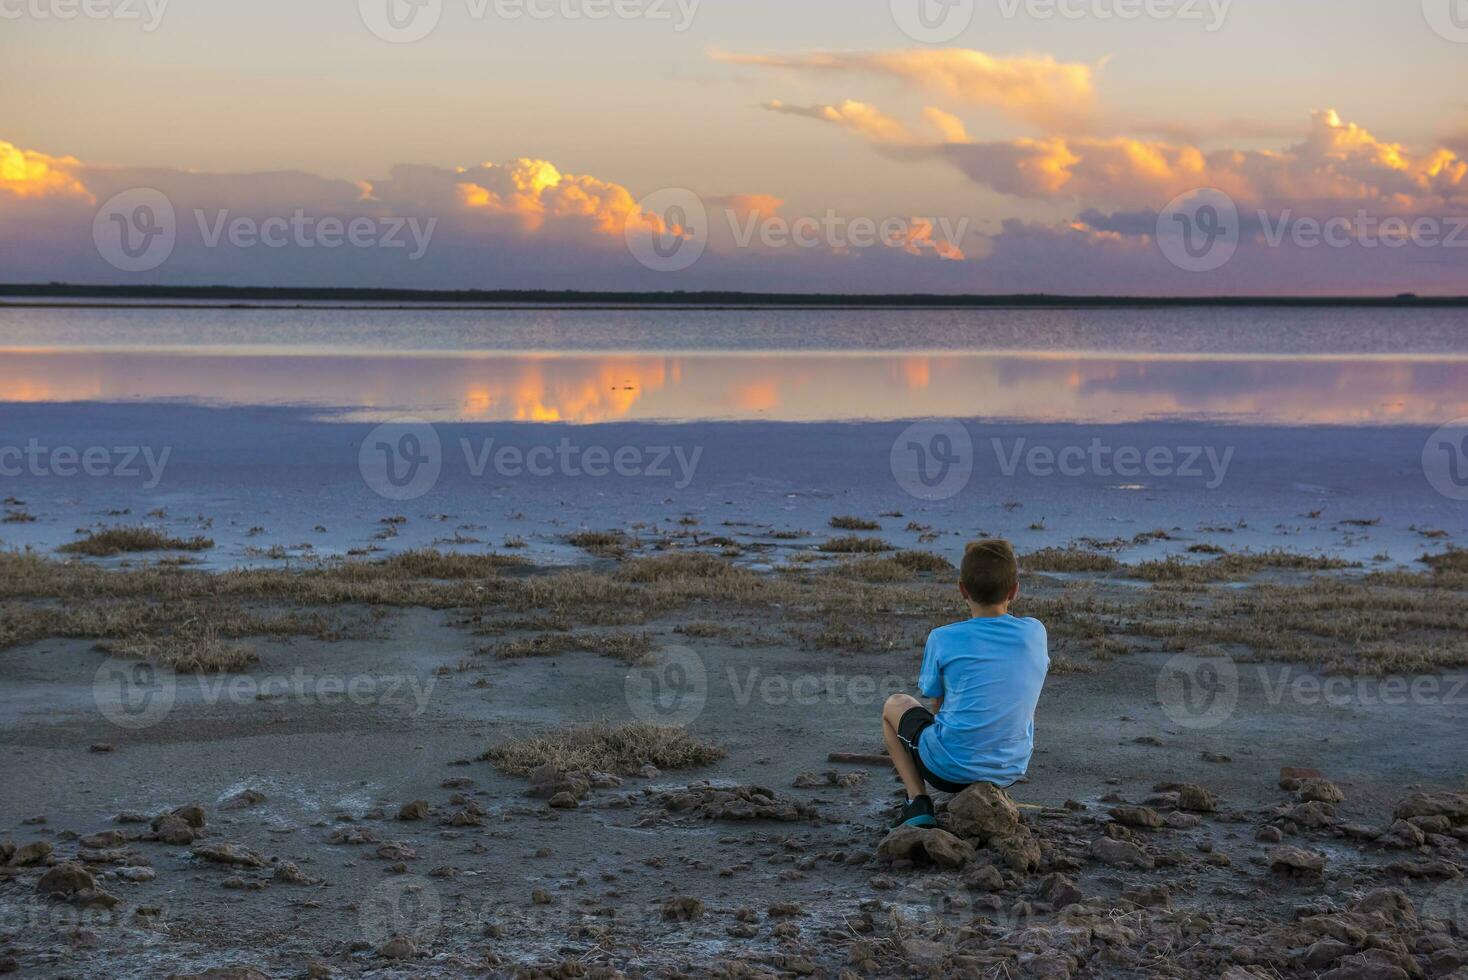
(990, 572)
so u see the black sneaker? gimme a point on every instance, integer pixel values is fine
(918, 813)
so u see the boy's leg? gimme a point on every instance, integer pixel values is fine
(898, 705)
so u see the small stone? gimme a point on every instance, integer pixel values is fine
(397, 948)
(682, 909)
(101, 747)
(32, 853)
(1294, 860)
(417, 810)
(1137, 816)
(1319, 791)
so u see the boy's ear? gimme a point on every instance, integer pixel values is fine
(1013, 593)
(963, 590)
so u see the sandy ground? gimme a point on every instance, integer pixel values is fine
(465, 898)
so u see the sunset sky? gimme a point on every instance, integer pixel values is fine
(1027, 153)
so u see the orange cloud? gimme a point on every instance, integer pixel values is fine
(858, 117)
(1032, 87)
(26, 173)
(534, 192)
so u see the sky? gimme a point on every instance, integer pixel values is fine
(1151, 147)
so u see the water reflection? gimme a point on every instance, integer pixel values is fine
(594, 388)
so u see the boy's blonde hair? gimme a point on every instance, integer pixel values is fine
(990, 571)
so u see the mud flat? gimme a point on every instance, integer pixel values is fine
(1249, 765)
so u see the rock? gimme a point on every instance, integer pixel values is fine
(101, 747)
(1296, 775)
(1150, 897)
(417, 810)
(983, 811)
(539, 896)
(1137, 816)
(649, 771)
(192, 814)
(548, 781)
(223, 852)
(7, 851)
(1119, 853)
(66, 880)
(1195, 799)
(287, 873)
(1391, 903)
(1295, 860)
(919, 843)
(173, 830)
(105, 839)
(1323, 953)
(1374, 964)
(397, 948)
(1019, 851)
(984, 879)
(1269, 835)
(243, 800)
(1454, 806)
(136, 874)
(33, 853)
(562, 801)
(1060, 891)
(682, 909)
(1178, 820)
(1319, 791)
(1313, 816)
(1217, 757)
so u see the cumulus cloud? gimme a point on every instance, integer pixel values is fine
(28, 173)
(1035, 88)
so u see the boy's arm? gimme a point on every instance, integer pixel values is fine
(930, 677)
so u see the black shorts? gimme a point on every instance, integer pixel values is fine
(910, 729)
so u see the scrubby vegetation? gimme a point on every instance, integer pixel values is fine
(119, 540)
(622, 749)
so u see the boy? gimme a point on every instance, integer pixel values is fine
(984, 676)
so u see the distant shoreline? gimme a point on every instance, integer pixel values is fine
(75, 296)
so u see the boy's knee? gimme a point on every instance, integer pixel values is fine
(897, 705)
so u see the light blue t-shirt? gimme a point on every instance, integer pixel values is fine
(989, 673)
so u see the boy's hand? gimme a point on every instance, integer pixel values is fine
(937, 705)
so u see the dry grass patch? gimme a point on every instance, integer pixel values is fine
(601, 747)
(204, 652)
(853, 545)
(119, 540)
(849, 523)
(1068, 560)
(603, 544)
(1233, 567)
(633, 648)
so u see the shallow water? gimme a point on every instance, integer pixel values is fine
(1264, 366)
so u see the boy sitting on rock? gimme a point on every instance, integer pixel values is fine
(984, 676)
